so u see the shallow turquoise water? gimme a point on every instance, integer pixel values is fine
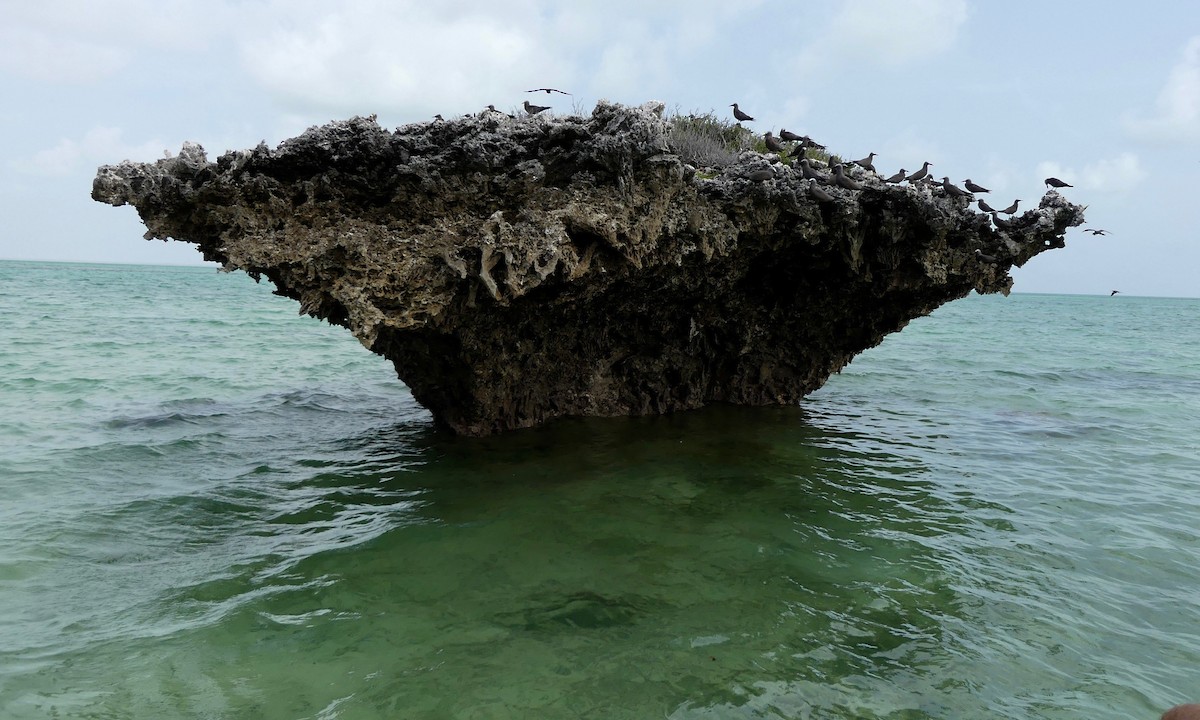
(214, 508)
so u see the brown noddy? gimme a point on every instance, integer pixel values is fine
(985, 207)
(953, 190)
(840, 179)
(1095, 231)
(790, 136)
(897, 178)
(818, 193)
(1011, 208)
(772, 144)
(549, 90)
(972, 187)
(867, 163)
(535, 109)
(1056, 183)
(999, 222)
(806, 169)
(920, 174)
(1114, 292)
(737, 113)
(984, 257)
(761, 175)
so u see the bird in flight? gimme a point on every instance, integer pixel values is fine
(1096, 231)
(549, 90)
(1114, 292)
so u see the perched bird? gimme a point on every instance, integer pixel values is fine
(438, 118)
(1096, 231)
(1011, 208)
(798, 151)
(1055, 182)
(840, 179)
(492, 108)
(897, 178)
(809, 142)
(868, 162)
(953, 190)
(761, 175)
(1114, 292)
(772, 144)
(984, 257)
(789, 136)
(984, 207)
(972, 187)
(1000, 222)
(535, 109)
(737, 113)
(806, 169)
(920, 174)
(549, 90)
(818, 193)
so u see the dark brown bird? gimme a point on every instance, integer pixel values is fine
(761, 175)
(798, 151)
(549, 90)
(953, 190)
(818, 193)
(535, 109)
(984, 257)
(809, 142)
(972, 187)
(806, 169)
(920, 174)
(772, 144)
(840, 179)
(1114, 292)
(438, 117)
(790, 136)
(1000, 222)
(897, 178)
(1095, 231)
(1011, 208)
(985, 207)
(868, 162)
(1056, 183)
(737, 113)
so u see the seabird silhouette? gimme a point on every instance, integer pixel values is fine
(438, 118)
(985, 207)
(972, 187)
(1055, 182)
(1011, 208)
(897, 178)
(772, 144)
(984, 257)
(806, 169)
(920, 174)
(999, 222)
(737, 113)
(1095, 231)
(549, 90)
(953, 190)
(1114, 292)
(818, 193)
(840, 179)
(535, 109)
(789, 136)
(868, 162)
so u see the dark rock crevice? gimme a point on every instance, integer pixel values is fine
(517, 270)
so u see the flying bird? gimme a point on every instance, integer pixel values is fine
(737, 113)
(1095, 231)
(972, 187)
(920, 174)
(1055, 182)
(549, 90)
(1114, 292)
(535, 109)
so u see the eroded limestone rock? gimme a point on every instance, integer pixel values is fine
(516, 270)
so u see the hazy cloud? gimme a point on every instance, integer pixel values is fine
(885, 32)
(102, 145)
(1177, 112)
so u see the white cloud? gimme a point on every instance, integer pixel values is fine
(98, 145)
(885, 32)
(1118, 174)
(1177, 112)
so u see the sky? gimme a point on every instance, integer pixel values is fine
(1104, 95)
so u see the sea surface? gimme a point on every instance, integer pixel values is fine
(211, 507)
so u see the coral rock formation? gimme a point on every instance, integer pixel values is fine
(517, 270)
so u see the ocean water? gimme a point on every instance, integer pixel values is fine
(214, 508)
